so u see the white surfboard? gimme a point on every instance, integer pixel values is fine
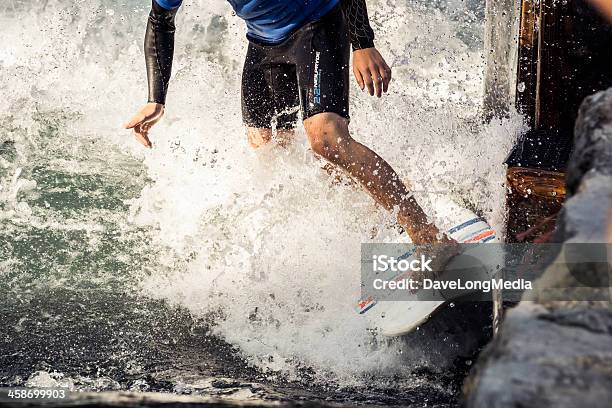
(395, 318)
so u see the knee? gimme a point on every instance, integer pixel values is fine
(258, 137)
(328, 135)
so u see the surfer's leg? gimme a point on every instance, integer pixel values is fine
(258, 137)
(322, 60)
(269, 96)
(329, 137)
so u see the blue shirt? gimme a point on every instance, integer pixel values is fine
(272, 21)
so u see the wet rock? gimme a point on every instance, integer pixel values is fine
(584, 217)
(223, 383)
(559, 353)
(546, 358)
(592, 152)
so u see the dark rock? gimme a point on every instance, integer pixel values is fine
(592, 141)
(593, 320)
(559, 353)
(542, 358)
(584, 217)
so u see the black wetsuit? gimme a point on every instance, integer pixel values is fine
(309, 68)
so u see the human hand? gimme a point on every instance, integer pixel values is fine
(142, 122)
(371, 71)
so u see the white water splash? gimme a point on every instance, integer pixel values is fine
(263, 242)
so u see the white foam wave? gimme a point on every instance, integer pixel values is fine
(264, 241)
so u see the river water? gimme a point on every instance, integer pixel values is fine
(200, 266)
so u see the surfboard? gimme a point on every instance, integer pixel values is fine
(396, 318)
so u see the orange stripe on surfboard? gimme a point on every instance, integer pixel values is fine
(478, 237)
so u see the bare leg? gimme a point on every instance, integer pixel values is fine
(258, 137)
(329, 137)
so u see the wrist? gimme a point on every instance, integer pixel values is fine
(156, 105)
(363, 45)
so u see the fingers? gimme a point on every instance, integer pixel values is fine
(142, 135)
(385, 74)
(383, 77)
(376, 79)
(379, 83)
(142, 122)
(358, 78)
(367, 78)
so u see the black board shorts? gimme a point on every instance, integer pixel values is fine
(309, 69)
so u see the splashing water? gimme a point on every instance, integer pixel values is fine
(264, 245)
